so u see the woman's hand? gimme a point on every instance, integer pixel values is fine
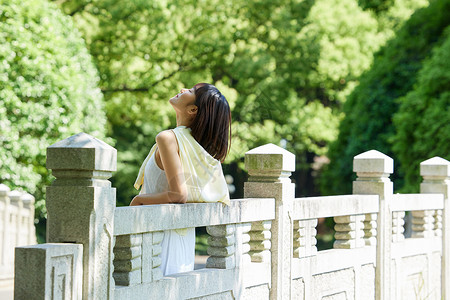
(160, 198)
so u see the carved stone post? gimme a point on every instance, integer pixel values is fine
(373, 169)
(436, 179)
(269, 168)
(48, 271)
(81, 204)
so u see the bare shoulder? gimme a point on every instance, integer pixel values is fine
(166, 138)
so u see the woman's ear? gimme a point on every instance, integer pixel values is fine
(192, 109)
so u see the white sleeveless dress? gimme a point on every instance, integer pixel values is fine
(178, 246)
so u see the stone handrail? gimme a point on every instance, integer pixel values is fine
(260, 247)
(413, 202)
(132, 220)
(332, 206)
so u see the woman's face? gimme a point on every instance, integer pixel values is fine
(183, 99)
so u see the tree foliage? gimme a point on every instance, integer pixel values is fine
(422, 122)
(370, 107)
(285, 66)
(48, 91)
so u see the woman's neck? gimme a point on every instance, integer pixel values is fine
(184, 121)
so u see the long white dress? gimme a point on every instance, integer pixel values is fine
(178, 246)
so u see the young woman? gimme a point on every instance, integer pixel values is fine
(185, 166)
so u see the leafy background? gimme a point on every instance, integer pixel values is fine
(325, 79)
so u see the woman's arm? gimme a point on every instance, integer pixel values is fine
(168, 151)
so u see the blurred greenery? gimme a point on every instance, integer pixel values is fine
(287, 68)
(48, 91)
(422, 123)
(370, 108)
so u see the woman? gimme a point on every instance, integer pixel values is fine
(184, 166)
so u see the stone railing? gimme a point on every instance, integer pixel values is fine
(260, 247)
(16, 227)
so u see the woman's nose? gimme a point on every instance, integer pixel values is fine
(183, 90)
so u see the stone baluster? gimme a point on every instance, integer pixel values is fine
(245, 249)
(128, 259)
(4, 225)
(269, 168)
(152, 259)
(370, 229)
(137, 258)
(436, 179)
(81, 204)
(423, 223)
(438, 222)
(349, 232)
(260, 244)
(305, 238)
(373, 169)
(398, 222)
(221, 246)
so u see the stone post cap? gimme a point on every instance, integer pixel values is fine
(373, 161)
(269, 157)
(435, 167)
(27, 199)
(82, 152)
(4, 189)
(15, 196)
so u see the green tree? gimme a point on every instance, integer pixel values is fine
(422, 122)
(371, 106)
(285, 66)
(48, 91)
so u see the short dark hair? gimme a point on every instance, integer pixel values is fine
(211, 127)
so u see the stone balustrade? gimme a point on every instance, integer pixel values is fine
(260, 247)
(16, 227)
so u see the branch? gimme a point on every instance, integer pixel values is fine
(142, 89)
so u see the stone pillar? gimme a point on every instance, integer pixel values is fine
(55, 273)
(4, 225)
(15, 216)
(81, 204)
(373, 169)
(269, 168)
(436, 179)
(29, 230)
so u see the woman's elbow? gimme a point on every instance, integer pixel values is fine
(178, 197)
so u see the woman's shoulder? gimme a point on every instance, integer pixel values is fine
(166, 137)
